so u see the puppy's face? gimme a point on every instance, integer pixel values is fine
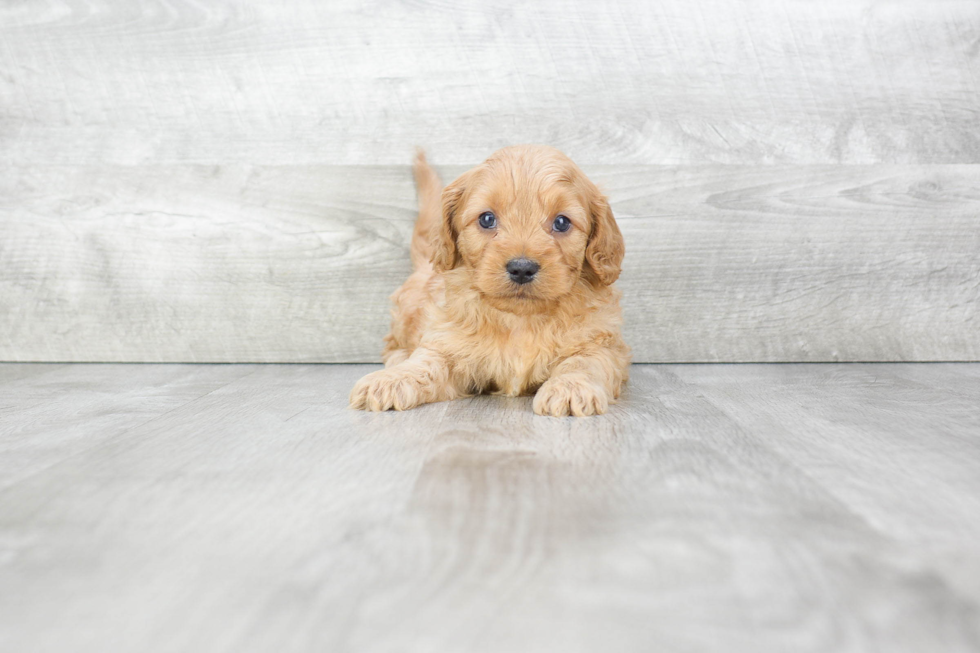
(528, 225)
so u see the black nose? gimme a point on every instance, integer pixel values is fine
(522, 270)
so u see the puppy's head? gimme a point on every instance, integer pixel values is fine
(528, 225)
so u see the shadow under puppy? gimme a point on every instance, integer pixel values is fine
(512, 291)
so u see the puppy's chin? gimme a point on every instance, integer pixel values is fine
(521, 299)
(519, 304)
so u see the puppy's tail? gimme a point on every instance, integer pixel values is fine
(429, 188)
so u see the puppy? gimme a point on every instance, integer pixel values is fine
(511, 294)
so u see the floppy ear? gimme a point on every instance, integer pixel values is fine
(445, 256)
(605, 249)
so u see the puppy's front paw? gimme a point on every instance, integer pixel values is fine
(570, 395)
(386, 389)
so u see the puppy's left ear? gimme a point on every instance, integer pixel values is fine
(605, 249)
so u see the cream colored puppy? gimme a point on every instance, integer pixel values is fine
(512, 291)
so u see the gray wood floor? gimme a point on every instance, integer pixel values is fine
(716, 508)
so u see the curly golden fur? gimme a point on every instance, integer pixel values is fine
(462, 324)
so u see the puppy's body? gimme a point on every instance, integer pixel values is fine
(462, 325)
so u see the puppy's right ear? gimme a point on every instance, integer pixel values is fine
(445, 255)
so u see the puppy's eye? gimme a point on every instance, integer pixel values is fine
(488, 220)
(561, 223)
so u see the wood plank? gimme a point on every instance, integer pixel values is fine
(295, 263)
(65, 410)
(14, 373)
(871, 449)
(201, 264)
(735, 508)
(801, 264)
(672, 82)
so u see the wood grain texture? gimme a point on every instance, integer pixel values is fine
(715, 508)
(63, 410)
(295, 263)
(671, 82)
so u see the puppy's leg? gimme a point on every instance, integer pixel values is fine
(582, 385)
(395, 357)
(421, 379)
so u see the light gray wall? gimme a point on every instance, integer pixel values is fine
(228, 181)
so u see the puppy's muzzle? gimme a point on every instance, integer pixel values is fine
(522, 270)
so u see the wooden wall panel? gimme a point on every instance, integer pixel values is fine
(668, 82)
(295, 263)
(227, 181)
